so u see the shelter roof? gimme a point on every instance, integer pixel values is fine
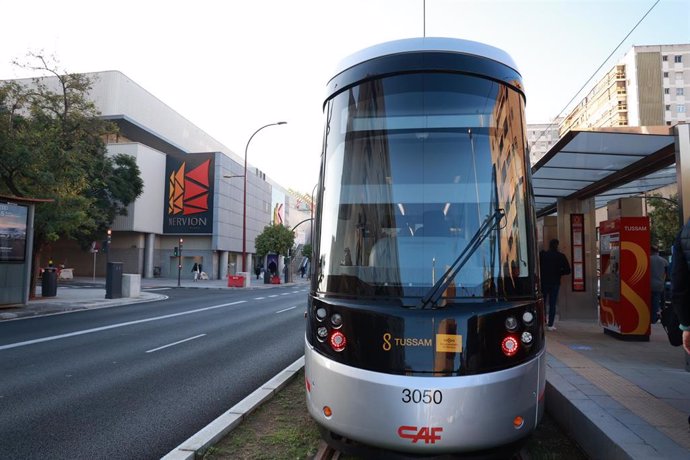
(604, 163)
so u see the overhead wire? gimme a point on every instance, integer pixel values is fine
(596, 71)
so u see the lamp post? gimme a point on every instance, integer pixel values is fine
(244, 200)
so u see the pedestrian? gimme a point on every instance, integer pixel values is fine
(553, 264)
(195, 271)
(301, 271)
(680, 282)
(659, 269)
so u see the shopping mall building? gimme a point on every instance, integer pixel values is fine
(186, 194)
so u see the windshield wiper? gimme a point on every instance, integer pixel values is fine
(436, 291)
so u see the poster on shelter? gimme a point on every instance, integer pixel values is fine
(13, 223)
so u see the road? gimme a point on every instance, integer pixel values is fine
(135, 381)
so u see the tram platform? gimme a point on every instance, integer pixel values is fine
(618, 399)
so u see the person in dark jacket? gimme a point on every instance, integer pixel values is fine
(680, 282)
(553, 264)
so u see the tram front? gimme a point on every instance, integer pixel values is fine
(425, 326)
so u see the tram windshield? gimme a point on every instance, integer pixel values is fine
(413, 165)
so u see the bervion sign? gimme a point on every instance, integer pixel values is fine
(189, 193)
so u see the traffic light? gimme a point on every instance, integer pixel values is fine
(181, 241)
(175, 253)
(110, 235)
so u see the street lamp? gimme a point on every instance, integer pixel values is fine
(244, 200)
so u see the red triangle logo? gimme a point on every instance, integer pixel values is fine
(196, 205)
(191, 190)
(200, 173)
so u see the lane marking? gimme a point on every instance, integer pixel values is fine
(114, 326)
(259, 298)
(176, 343)
(157, 289)
(285, 309)
(274, 295)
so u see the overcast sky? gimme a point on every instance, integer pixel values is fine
(231, 67)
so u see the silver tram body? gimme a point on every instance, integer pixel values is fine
(425, 326)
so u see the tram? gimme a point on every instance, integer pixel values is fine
(425, 321)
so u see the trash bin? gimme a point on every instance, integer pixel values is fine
(49, 282)
(113, 280)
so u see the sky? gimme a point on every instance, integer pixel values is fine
(232, 67)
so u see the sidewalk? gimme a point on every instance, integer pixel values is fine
(619, 399)
(73, 296)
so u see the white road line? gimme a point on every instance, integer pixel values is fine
(156, 289)
(274, 295)
(176, 343)
(259, 298)
(114, 326)
(285, 309)
(286, 293)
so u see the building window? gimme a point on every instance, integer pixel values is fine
(678, 59)
(679, 91)
(665, 74)
(667, 90)
(664, 58)
(668, 106)
(680, 108)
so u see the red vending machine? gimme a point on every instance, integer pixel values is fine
(625, 292)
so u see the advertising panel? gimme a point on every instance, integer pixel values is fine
(577, 230)
(13, 223)
(189, 193)
(626, 291)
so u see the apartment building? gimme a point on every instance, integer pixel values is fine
(649, 86)
(541, 137)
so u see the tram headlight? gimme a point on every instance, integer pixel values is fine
(528, 318)
(322, 333)
(321, 313)
(526, 338)
(511, 323)
(336, 320)
(338, 341)
(509, 346)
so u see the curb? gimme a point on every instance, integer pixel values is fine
(225, 423)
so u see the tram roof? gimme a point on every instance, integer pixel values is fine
(604, 163)
(419, 44)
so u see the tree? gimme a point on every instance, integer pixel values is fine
(52, 146)
(274, 238)
(664, 220)
(306, 251)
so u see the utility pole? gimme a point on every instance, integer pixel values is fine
(179, 262)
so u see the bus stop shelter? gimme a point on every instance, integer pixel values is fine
(585, 170)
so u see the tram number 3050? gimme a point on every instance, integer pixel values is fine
(422, 396)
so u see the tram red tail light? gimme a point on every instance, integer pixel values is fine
(338, 341)
(509, 346)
